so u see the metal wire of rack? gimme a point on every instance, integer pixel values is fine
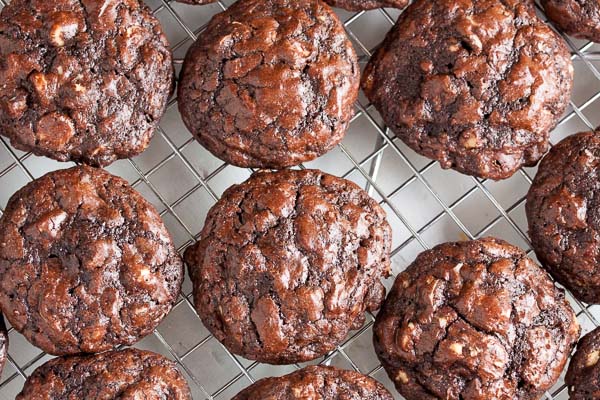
(425, 205)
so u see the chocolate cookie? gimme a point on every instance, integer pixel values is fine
(86, 263)
(125, 374)
(563, 211)
(287, 264)
(474, 320)
(578, 18)
(316, 382)
(583, 375)
(84, 81)
(358, 5)
(475, 85)
(270, 83)
(3, 344)
(196, 1)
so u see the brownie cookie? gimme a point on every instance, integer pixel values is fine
(474, 320)
(3, 344)
(124, 374)
(317, 382)
(578, 18)
(475, 85)
(196, 1)
(358, 5)
(86, 263)
(270, 83)
(563, 211)
(85, 80)
(287, 264)
(583, 375)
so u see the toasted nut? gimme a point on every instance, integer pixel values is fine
(61, 31)
(592, 358)
(16, 106)
(402, 377)
(471, 143)
(457, 348)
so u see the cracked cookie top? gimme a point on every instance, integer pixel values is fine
(86, 263)
(82, 80)
(357, 5)
(125, 374)
(474, 320)
(316, 382)
(270, 83)
(287, 264)
(578, 18)
(563, 211)
(583, 375)
(196, 1)
(475, 85)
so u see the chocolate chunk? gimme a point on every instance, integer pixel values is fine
(86, 263)
(287, 263)
(474, 320)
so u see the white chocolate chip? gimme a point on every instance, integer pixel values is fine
(477, 43)
(472, 21)
(61, 32)
(499, 363)
(16, 106)
(402, 377)
(471, 142)
(406, 338)
(592, 358)
(142, 310)
(56, 37)
(456, 348)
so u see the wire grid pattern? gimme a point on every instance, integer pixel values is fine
(425, 204)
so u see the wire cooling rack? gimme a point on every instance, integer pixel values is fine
(425, 204)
